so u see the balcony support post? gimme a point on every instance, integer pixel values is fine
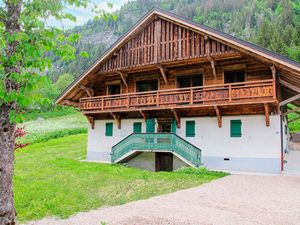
(117, 118)
(213, 66)
(143, 115)
(219, 116)
(89, 91)
(267, 113)
(123, 77)
(163, 72)
(177, 117)
(91, 121)
(71, 103)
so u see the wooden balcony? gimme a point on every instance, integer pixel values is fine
(253, 92)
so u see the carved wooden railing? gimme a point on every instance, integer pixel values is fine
(245, 92)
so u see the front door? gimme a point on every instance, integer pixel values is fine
(163, 161)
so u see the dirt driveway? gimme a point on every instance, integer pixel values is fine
(236, 199)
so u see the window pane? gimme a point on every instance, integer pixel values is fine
(114, 89)
(240, 76)
(190, 81)
(197, 81)
(148, 85)
(233, 77)
(184, 82)
(153, 85)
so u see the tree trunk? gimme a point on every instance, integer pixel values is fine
(7, 145)
(7, 129)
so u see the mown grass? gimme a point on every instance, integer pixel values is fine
(47, 126)
(50, 180)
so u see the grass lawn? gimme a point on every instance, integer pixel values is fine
(51, 125)
(50, 180)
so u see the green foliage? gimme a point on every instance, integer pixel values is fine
(57, 184)
(28, 46)
(63, 81)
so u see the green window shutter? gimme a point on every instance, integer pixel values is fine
(150, 125)
(137, 127)
(235, 128)
(109, 129)
(190, 128)
(174, 125)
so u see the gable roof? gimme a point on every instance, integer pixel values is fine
(235, 42)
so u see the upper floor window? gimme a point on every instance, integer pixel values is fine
(190, 81)
(146, 85)
(114, 89)
(234, 76)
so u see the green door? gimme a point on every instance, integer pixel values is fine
(150, 126)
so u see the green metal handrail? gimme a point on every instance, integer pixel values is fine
(168, 142)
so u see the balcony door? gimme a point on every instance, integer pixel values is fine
(234, 77)
(190, 81)
(147, 85)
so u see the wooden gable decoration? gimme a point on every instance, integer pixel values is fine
(163, 41)
(161, 38)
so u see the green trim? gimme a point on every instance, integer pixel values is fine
(152, 142)
(173, 126)
(235, 128)
(190, 128)
(109, 129)
(137, 127)
(150, 125)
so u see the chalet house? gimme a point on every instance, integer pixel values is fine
(171, 93)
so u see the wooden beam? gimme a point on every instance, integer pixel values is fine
(91, 121)
(267, 113)
(273, 69)
(292, 110)
(288, 85)
(117, 118)
(213, 66)
(143, 115)
(289, 100)
(177, 117)
(123, 77)
(163, 73)
(219, 116)
(71, 103)
(89, 91)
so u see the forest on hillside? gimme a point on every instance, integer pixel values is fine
(273, 24)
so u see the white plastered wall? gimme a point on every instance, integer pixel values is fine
(99, 145)
(258, 150)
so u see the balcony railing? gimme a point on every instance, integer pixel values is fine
(152, 142)
(234, 93)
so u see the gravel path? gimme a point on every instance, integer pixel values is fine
(235, 199)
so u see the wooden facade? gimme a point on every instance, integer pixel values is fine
(161, 48)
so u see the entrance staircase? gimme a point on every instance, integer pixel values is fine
(156, 142)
